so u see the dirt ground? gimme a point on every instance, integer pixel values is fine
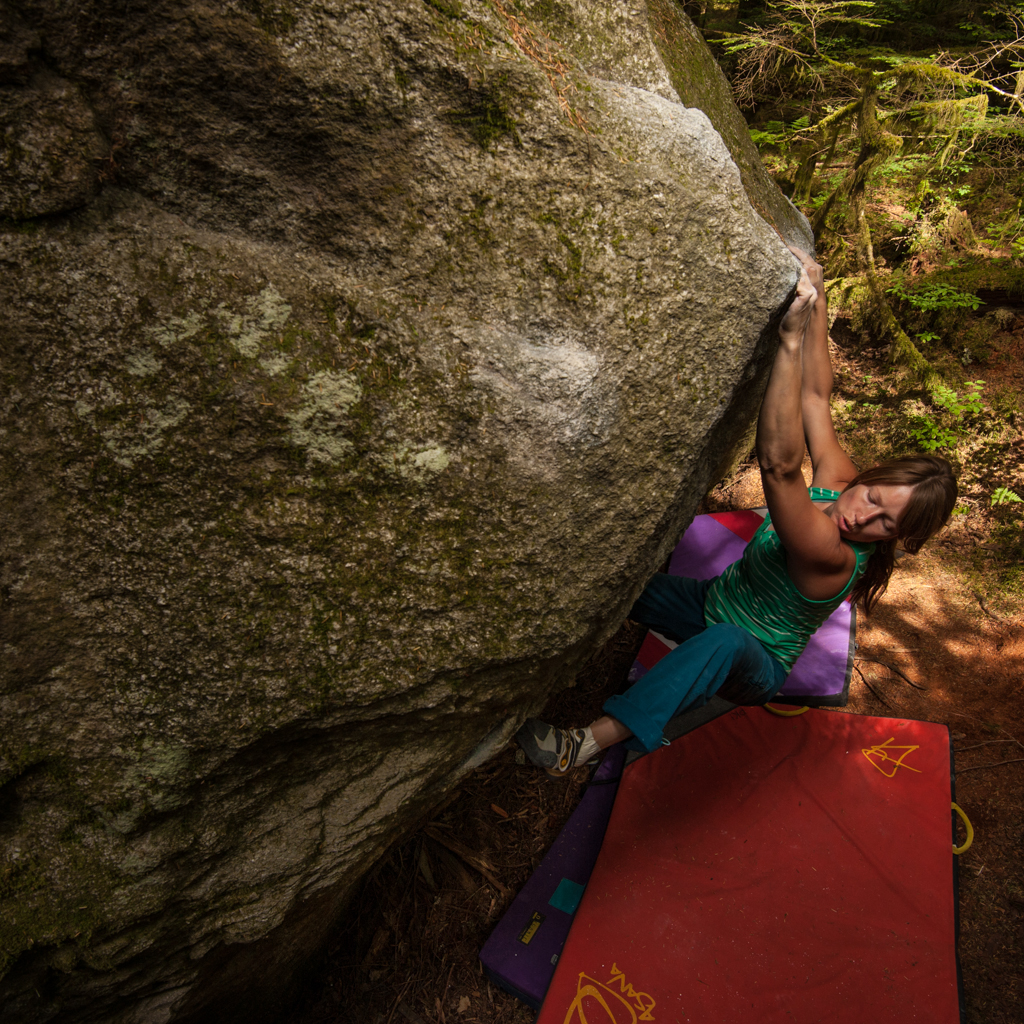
(939, 647)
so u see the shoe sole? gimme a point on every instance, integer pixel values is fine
(538, 757)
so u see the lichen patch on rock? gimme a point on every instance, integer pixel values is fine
(315, 425)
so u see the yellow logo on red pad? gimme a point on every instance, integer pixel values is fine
(881, 754)
(598, 1003)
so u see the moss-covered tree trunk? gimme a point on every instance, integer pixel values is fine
(877, 146)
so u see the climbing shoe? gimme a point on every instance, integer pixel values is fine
(557, 751)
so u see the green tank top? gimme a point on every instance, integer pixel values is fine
(757, 594)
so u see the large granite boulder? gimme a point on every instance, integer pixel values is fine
(360, 362)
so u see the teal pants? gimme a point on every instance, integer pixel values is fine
(721, 659)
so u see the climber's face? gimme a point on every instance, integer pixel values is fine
(870, 512)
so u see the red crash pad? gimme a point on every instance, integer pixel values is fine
(777, 870)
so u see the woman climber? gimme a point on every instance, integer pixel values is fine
(739, 634)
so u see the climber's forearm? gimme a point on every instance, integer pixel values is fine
(816, 387)
(780, 434)
(817, 366)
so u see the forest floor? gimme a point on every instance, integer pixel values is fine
(951, 623)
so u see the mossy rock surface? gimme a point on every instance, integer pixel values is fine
(350, 394)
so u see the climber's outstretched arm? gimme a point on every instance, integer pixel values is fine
(831, 465)
(817, 560)
(780, 430)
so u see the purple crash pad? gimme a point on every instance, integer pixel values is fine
(522, 951)
(821, 675)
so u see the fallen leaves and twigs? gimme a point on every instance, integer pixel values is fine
(444, 998)
(985, 608)
(1012, 738)
(467, 882)
(409, 1013)
(380, 938)
(983, 743)
(994, 764)
(424, 866)
(864, 679)
(544, 54)
(577, 779)
(896, 671)
(474, 860)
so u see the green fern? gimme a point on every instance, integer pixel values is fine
(1004, 496)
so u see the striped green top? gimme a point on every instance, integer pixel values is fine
(757, 594)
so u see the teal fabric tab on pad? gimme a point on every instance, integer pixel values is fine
(567, 896)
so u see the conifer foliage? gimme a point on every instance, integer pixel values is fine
(870, 100)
